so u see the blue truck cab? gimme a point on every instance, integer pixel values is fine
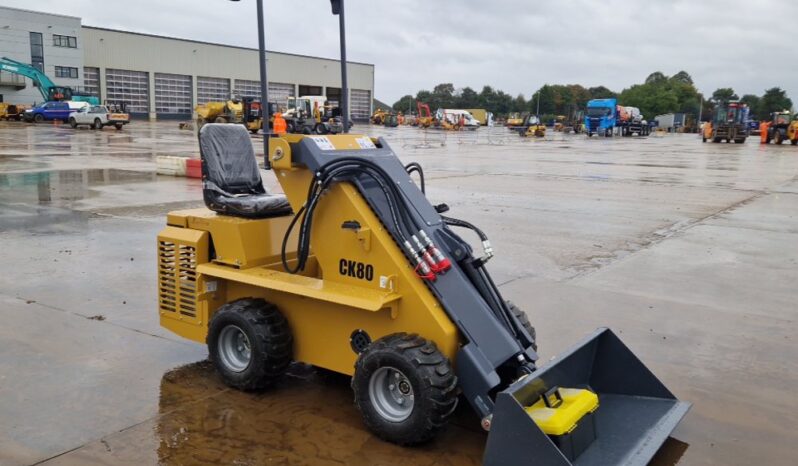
(600, 116)
(49, 111)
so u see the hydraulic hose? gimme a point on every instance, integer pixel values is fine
(404, 224)
(416, 167)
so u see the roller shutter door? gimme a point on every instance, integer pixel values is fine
(280, 92)
(172, 95)
(91, 80)
(212, 89)
(247, 88)
(360, 105)
(129, 87)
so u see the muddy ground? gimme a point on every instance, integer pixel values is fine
(688, 251)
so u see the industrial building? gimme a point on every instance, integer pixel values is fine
(120, 66)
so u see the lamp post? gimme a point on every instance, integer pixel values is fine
(264, 85)
(338, 9)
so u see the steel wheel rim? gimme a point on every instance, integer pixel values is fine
(391, 394)
(234, 348)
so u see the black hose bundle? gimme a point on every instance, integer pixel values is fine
(343, 169)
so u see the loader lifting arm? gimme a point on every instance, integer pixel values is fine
(495, 362)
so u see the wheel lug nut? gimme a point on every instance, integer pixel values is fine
(391, 386)
(401, 401)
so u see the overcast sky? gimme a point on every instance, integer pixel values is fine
(515, 46)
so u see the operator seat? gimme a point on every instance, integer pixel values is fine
(231, 179)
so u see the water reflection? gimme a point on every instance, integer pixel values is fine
(64, 185)
(308, 418)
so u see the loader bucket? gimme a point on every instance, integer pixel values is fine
(635, 415)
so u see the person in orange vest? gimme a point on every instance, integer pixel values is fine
(279, 126)
(763, 132)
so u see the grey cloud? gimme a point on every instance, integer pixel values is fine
(515, 46)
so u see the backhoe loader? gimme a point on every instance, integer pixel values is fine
(355, 271)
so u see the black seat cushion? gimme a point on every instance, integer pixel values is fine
(231, 179)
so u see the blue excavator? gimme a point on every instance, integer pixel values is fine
(49, 90)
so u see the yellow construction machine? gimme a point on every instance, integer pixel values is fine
(355, 271)
(378, 117)
(532, 127)
(12, 111)
(514, 120)
(245, 111)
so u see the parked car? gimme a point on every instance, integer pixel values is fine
(53, 111)
(97, 117)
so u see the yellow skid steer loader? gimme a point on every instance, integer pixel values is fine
(355, 271)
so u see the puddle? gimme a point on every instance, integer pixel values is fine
(308, 418)
(65, 185)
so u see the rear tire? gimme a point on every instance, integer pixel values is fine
(794, 142)
(249, 343)
(777, 137)
(290, 127)
(524, 320)
(119, 126)
(405, 388)
(73, 123)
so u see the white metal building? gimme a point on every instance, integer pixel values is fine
(49, 42)
(120, 66)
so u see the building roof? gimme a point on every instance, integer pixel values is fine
(40, 12)
(220, 45)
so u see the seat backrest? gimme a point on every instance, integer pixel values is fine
(228, 160)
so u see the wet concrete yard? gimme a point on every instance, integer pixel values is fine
(688, 251)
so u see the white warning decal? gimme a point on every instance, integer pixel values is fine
(365, 143)
(322, 142)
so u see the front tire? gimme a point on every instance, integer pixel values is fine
(405, 388)
(73, 123)
(38, 118)
(777, 137)
(249, 343)
(98, 124)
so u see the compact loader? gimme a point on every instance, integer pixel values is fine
(532, 127)
(355, 271)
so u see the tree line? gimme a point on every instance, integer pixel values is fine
(658, 94)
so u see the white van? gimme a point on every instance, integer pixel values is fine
(453, 117)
